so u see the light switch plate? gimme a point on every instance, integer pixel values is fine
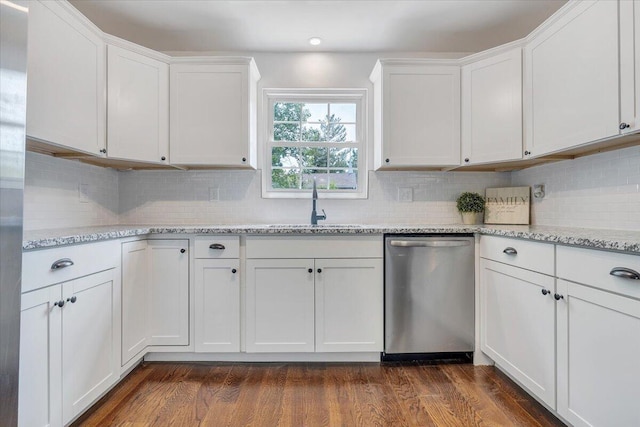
(405, 194)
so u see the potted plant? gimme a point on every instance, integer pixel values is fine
(470, 205)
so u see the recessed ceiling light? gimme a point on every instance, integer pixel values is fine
(315, 41)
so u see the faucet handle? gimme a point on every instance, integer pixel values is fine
(323, 216)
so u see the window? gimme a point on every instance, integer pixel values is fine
(315, 135)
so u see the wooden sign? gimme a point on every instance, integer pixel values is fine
(509, 205)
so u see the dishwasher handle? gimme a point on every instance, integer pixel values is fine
(429, 243)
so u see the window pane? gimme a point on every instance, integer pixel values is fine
(286, 112)
(295, 157)
(350, 133)
(286, 132)
(343, 180)
(346, 112)
(334, 131)
(343, 158)
(313, 157)
(312, 133)
(286, 178)
(315, 112)
(288, 157)
(320, 175)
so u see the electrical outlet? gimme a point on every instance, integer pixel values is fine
(214, 194)
(83, 193)
(405, 194)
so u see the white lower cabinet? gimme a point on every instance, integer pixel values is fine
(518, 323)
(169, 292)
(155, 296)
(314, 294)
(575, 347)
(70, 346)
(598, 348)
(40, 402)
(349, 304)
(217, 305)
(280, 305)
(598, 337)
(135, 293)
(89, 351)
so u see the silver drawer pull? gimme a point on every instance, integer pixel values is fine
(429, 244)
(625, 273)
(61, 263)
(217, 246)
(510, 251)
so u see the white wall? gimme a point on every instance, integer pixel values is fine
(51, 197)
(598, 191)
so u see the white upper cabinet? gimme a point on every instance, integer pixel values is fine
(416, 114)
(492, 108)
(138, 107)
(571, 78)
(213, 112)
(66, 85)
(629, 66)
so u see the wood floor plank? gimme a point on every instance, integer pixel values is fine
(478, 397)
(316, 394)
(382, 397)
(447, 406)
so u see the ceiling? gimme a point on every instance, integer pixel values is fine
(344, 26)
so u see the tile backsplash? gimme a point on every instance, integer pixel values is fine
(599, 191)
(52, 194)
(170, 197)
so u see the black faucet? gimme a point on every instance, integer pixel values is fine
(314, 215)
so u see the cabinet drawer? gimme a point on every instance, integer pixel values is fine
(593, 267)
(223, 247)
(354, 246)
(520, 253)
(37, 271)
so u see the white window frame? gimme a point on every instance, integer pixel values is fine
(358, 96)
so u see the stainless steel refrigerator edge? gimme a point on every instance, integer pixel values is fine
(429, 294)
(13, 90)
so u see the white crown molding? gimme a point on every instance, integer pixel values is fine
(492, 52)
(125, 44)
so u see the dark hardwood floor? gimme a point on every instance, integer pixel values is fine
(316, 394)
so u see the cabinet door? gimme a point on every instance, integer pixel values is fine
(90, 341)
(39, 401)
(598, 344)
(209, 114)
(517, 325)
(217, 316)
(138, 108)
(135, 299)
(169, 292)
(571, 80)
(66, 85)
(629, 65)
(349, 305)
(492, 109)
(280, 305)
(421, 116)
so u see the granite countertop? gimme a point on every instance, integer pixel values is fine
(619, 240)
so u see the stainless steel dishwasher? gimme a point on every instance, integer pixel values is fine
(429, 297)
